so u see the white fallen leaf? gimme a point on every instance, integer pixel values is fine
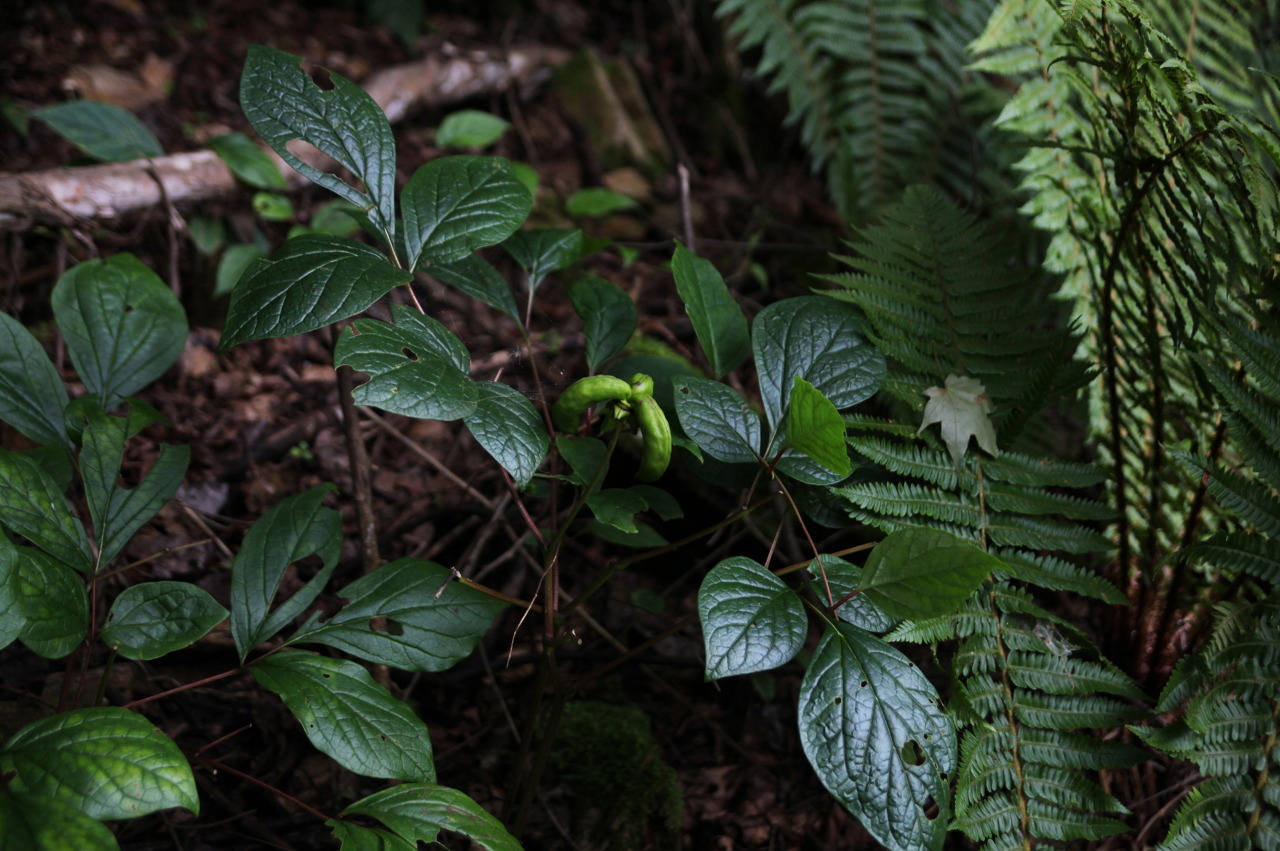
(962, 410)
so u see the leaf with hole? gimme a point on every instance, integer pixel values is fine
(122, 325)
(510, 429)
(751, 620)
(104, 131)
(297, 527)
(105, 761)
(717, 319)
(874, 730)
(718, 419)
(312, 281)
(608, 316)
(408, 614)
(32, 505)
(454, 205)
(348, 716)
(416, 367)
(419, 811)
(470, 128)
(154, 618)
(925, 573)
(284, 105)
(32, 397)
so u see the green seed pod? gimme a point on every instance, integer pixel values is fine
(656, 432)
(641, 385)
(584, 393)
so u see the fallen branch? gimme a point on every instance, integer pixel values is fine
(69, 196)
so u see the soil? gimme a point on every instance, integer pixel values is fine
(264, 422)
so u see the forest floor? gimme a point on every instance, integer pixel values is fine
(263, 419)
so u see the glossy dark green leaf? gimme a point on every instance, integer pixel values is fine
(454, 205)
(149, 620)
(312, 281)
(297, 527)
(430, 622)
(751, 620)
(32, 505)
(32, 397)
(247, 161)
(477, 278)
(118, 511)
(470, 128)
(816, 429)
(12, 619)
(123, 326)
(845, 578)
(354, 837)
(608, 317)
(418, 811)
(541, 251)
(585, 456)
(283, 104)
(510, 429)
(718, 419)
(597, 201)
(717, 319)
(105, 761)
(104, 131)
(50, 601)
(38, 823)
(874, 730)
(925, 573)
(811, 337)
(416, 367)
(348, 716)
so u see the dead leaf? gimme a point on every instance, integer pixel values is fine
(129, 91)
(962, 410)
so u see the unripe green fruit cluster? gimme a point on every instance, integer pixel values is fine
(635, 398)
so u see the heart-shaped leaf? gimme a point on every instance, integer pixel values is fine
(510, 429)
(751, 620)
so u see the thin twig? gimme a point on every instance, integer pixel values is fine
(435, 463)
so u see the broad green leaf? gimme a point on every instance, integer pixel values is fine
(510, 429)
(354, 837)
(597, 201)
(617, 507)
(470, 128)
(107, 762)
(541, 251)
(32, 505)
(312, 281)
(454, 205)
(247, 161)
(104, 131)
(12, 619)
(477, 278)
(283, 104)
(416, 367)
(348, 716)
(801, 467)
(154, 618)
(585, 456)
(297, 527)
(751, 620)
(38, 823)
(122, 325)
(51, 603)
(32, 397)
(874, 730)
(811, 337)
(418, 811)
(717, 319)
(608, 316)
(962, 410)
(235, 261)
(845, 578)
(118, 511)
(815, 428)
(431, 622)
(718, 419)
(925, 573)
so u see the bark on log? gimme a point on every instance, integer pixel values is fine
(71, 196)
